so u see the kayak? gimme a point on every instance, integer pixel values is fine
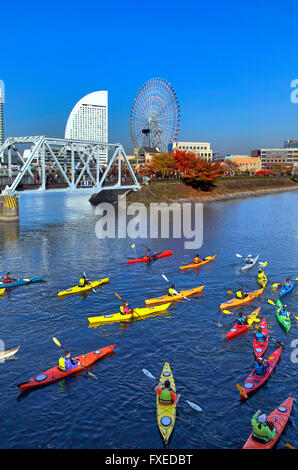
(22, 282)
(239, 329)
(285, 322)
(260, 347)
(169, 298)
(138, 312)
(253, 382)
(166, 414)
(54, 374)
(197, 265)
(9, 353)
(146, 259)
(248, 266)
(235, 302)
(80, 290)
(279, 416)
(263, 282)
(284, 290)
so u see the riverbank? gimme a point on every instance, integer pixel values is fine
(225, 189)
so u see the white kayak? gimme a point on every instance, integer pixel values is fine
(9, 353)
(248, 266)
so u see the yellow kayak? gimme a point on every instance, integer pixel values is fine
(197, 265)
(138, 312)
(169, 298)
(80, 290)
(166, 414)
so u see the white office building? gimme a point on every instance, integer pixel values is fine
(201, 149)
(89, 120)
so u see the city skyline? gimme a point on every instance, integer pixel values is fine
(233, 81)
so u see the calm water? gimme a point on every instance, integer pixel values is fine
(56, 237)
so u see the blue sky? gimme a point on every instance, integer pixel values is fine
(231, 65)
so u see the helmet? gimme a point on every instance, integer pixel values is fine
(262, 418)
(249, 256)
(260, 359)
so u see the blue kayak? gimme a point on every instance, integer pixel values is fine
(285, 290)
(21, 282)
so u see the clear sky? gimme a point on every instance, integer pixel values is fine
(231, 64)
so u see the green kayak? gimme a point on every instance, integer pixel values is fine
(285, 322)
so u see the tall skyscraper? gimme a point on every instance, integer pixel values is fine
(1, 115)
(89, 120)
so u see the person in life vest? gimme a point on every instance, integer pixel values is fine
(287, 283)
(172, 291)
(197, 259)
(166, 395)
(124, 310)
(261, 276)
(249, 259)
(283, 312)
(241, 319)
(83, 281)
(260, 336)
(240, 294)
(261, 367)
(66, 363)
(261, 428)
(7, 279)
(151, 254)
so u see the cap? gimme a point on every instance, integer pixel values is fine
(262, 418)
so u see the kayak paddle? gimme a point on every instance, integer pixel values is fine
(117, 295)
(190, 403)
(60, 346)
(247, 402)
(263, 264)
(239, 256)
(165, 277)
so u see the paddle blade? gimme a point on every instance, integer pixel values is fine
(296, 318)
(227, 312)
(271, 302)
(239, 256)
(230, 292)
(133, 246)
(57, 342)
(117, 295)
(289, 446)
(275, 285)
(241, 390)
(92, 375)
(165, 277)
(146, 372)
(194, 405)
(257, 320)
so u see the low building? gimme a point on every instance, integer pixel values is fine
(287, 156)
(201, 149)
(143, 155)
(247, 164)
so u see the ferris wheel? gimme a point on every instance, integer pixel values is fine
(155, 115)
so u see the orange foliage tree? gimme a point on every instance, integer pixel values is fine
(196, 171)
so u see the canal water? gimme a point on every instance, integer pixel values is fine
(57, 237)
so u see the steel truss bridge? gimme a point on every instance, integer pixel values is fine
(75, 161)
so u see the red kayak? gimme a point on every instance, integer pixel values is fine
(146, 259)
(279, 416)
(260, 347)
(239, 329)
(54, 374)
(253, 382)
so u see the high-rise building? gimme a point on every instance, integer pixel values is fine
(1, 116)
(89, 121)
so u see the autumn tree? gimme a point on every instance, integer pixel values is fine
(163, 164)
(196, 171)
(231, 167)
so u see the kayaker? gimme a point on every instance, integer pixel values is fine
(7, 279)
(241, 319)
(283, 311)
(66, 363)
(83, 281)
(151, 254)
(240, 294)
(260, 336)
(261, 276)
(249, 259)
(261, 427)
(197, 259)
(172, 291)
(124, 310)
(287, 283)
(166, 395)
(261, 367)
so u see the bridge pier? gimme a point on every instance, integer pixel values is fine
(9, 208)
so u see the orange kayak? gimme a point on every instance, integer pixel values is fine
(54, 374)
(235, 302)
(197, 265)
(169, 298)
(279, 417)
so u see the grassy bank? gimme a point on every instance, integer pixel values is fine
(225, 188)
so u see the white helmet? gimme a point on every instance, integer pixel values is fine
(249, 256)
(262, 418)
